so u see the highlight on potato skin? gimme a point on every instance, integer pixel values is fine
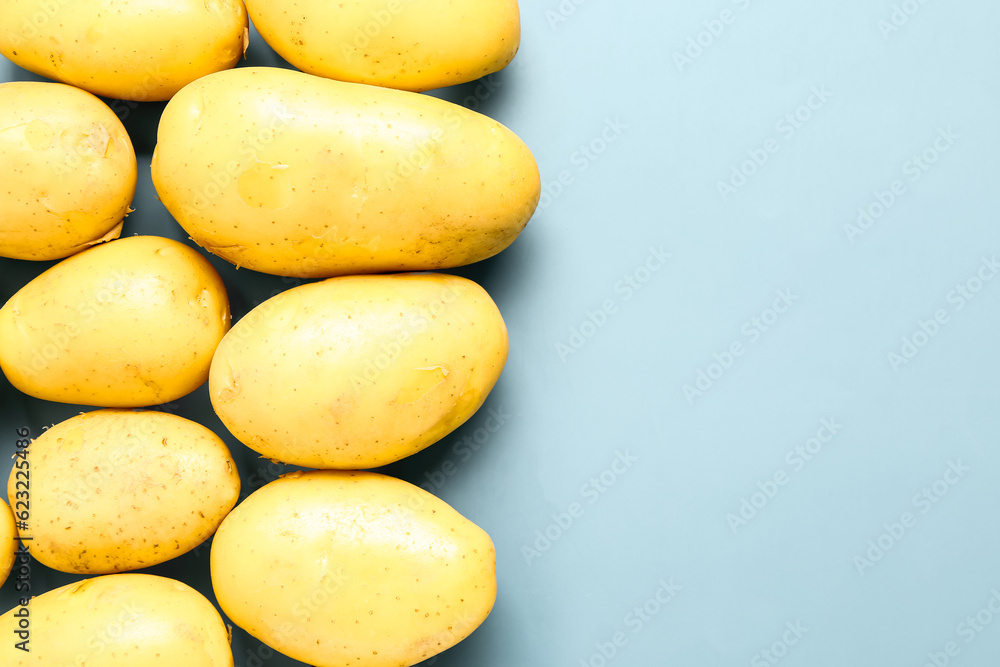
(295, 175)
(126, 49)
(68, 170)
(413, 45)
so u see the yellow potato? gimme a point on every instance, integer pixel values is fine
(129, 49)
(8, 541)
(116, 490)
(116, 620)
(67, 168)
(358, 371)
(128, 323)
(338, 568)
(409, 44)
(291, 174)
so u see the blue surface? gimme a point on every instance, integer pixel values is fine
(743, 423)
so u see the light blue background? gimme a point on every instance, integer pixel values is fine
(662, 135)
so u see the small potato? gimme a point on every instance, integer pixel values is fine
(410, 44)
(290, 174)
(338, 568)
(128, 323)
(117, 620)
(358, 371)
(129, 49)
(67, 167)
(116, 490)
(8, 541)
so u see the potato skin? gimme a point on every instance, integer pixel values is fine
(119, 620)
(143, 50)
(117, 490)
(68, 171)
(128, 323)
(408, 44)
(290, 174)
(358, 371)
(338, 568)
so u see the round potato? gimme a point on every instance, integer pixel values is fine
(338, 568)
(8, 541)
(68, 169)
(116, 490)
(128, 49)
(410, 44)
(116, 620)
(358, 371)
(128, 323)
(290, 174)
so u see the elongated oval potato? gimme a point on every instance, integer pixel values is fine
(117, 490)
(68, 171)
(128, 323)
(339, 568)
(358, 371)
(117, 620)
(291, 174)
(408, 44)
(8, 539)
(142, 50)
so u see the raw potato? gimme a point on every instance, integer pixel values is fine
(116, 490)
(129, 323)
(130, 49)
(358, 371)
(67, 168)
(8, 543)
(409, 44)
(118, 620)
(341, 569)
(291, 174)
